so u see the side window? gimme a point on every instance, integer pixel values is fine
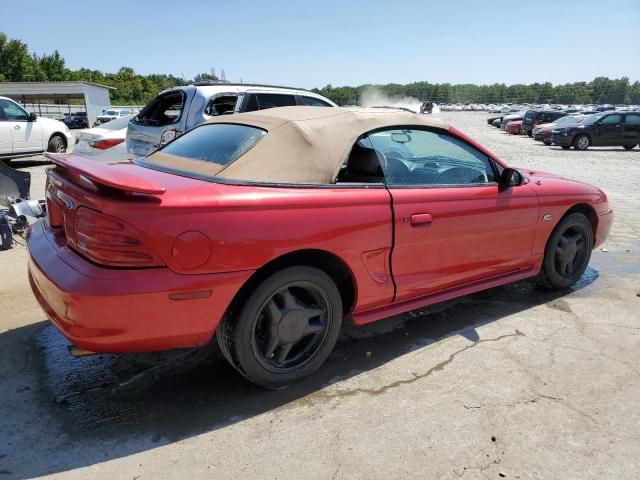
(262, 101)
(13, 112)
(163, 110)
(363, 165)
(221, 105)
(612, 119)
(314, 102)
(632, 119)
(425, 157)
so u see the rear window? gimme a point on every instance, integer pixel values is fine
(262, 101)
(632, 119)
(163, 110)
(219, 143)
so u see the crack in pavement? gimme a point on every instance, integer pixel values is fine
(440, 366)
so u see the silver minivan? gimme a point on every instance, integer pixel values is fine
(179, 109)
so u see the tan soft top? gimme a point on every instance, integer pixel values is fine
(304, 145)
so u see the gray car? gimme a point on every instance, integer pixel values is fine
(179, 109)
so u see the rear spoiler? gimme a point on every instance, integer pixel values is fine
(117, 175)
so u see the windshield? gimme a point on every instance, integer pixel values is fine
(207, 149)
(567, 121)
(592, 118)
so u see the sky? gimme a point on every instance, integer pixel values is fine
(311, 44)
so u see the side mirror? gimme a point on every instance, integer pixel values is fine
(33, 117)
(511, 178)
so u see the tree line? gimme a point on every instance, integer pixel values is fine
(17, 64)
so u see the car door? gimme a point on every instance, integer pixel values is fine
(631, 127)
(453, 223)
(6, 139)
(609, 130)
(26, 134)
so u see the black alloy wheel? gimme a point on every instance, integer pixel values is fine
(291, 325)
(282, 330)
(568, 252)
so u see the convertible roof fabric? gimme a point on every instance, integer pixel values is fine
(304, 145)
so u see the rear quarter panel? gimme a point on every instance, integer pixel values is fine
(249, 226)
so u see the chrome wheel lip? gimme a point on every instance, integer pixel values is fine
(316, 340)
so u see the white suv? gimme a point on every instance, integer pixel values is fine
(179, 109)
(23, 134)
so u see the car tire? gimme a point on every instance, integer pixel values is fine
(57, 144)
(285, 329)
(567, 253)
(530, 133)
(629, 147)
(547, 142)
(581, 142)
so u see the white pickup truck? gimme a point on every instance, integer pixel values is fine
(23, 134)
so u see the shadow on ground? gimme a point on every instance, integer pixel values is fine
(79, 412)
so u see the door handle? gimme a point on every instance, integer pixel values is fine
(421, 219)
(16, 127)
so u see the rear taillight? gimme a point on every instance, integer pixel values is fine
(105, 144)
(54, 212)
(110, 241)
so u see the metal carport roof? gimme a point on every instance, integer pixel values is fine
(95, 96)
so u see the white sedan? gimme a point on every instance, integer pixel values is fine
(105, 143)
(113, 114)
(23, 134)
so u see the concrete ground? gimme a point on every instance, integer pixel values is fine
(515, 382)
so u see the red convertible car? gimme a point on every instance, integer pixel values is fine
(267, 229)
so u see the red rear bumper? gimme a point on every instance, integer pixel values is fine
(111, 310)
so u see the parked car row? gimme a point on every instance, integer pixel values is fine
(113, 114)
(76, 120)
(579, 130)
(513, 107)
